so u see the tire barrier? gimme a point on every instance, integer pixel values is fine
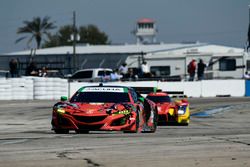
(30, 88)
(50, 88)
(21, 88)
(5, 89)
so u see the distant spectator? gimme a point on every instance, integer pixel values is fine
(191, 69)
(13, 65)
(114, 76)
(32, 70)
(145, 70)
(131, 75)
(106, 76)
(123, 69)
(201, 69)
(43, 72)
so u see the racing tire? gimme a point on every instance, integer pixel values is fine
(156, 117)
(79, 131)
(61, 131)
(152, 129)
(183, 124)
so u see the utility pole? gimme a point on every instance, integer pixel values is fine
(74, 42)
(248, 33)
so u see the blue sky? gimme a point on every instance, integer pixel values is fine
(222, 22)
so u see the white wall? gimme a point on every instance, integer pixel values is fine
(30, 88)
(206, 88)
(212, 88)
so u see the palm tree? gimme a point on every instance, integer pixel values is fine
(37, 28)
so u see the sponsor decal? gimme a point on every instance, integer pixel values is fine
(103, 89)
(124, 112)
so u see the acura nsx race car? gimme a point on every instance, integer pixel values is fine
(104, 108)
(169, 111)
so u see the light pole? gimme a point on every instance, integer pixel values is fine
(75, 64)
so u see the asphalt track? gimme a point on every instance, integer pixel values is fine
(218, 138)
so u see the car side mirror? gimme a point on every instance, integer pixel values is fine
(141, 99)
(64, 98)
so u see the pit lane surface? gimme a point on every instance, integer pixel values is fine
(221, 139)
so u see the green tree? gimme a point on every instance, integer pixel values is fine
(89, 34)
(92, 35)
(36, 29)
(61, 38)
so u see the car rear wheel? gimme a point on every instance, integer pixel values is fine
(155, 120)
(183, 124)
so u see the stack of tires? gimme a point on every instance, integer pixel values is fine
(21, 88)
(50, 88)
(60, 88)
(5, 89)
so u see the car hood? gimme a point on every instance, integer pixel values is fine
(163, 107)
(96, 108)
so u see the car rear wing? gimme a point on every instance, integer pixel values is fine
(147, 90)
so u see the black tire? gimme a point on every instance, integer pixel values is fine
(61, 131)
(79, 131)
(155, 119)
(153, 129)
(183, 124)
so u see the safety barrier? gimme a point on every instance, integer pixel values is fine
(5, 89)
(49, 88)
(16, 89)
(29, 88)
(247, 88)
(21, 88)
(205, 88)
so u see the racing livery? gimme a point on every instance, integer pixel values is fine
(169, 111)
(104, 108)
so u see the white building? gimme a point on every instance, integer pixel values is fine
(163, 59)
(222, 61)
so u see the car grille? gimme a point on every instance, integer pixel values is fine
(90, 127)
(162, 118)
(63, 121)
(88, 119)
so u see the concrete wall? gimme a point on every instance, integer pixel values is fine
(206, 88)
(30, 88)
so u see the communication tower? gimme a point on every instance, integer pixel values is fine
(145, 31)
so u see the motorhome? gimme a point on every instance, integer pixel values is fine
(221, 61)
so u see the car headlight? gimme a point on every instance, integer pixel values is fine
(181, 110)
(61, 111)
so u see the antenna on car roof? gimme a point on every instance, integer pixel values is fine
(101, 84)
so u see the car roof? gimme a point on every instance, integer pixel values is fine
(157, 94)
(106, 86)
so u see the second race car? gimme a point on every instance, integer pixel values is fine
(169, 111)
(104, 108)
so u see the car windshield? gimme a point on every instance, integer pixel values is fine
(159, 99)
(100, 97)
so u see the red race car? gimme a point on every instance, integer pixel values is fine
(170, 112)
(104, 108)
